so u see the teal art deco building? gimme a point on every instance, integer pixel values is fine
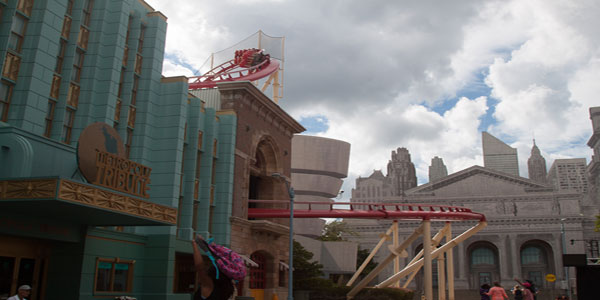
(81, 85)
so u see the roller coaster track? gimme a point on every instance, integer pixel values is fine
(397, 211)
(237, 69)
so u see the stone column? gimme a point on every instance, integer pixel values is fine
(516, 257)
(503, 258)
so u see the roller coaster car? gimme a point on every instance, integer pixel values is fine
(250, 57)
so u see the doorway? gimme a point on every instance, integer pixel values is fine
(22, 261)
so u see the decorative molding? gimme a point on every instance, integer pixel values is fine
(85, 194)
(28, 189)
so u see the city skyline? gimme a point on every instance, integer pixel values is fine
(416, 75)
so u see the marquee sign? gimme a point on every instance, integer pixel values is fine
(101, 160)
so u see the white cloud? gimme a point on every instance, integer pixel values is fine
(375, 69)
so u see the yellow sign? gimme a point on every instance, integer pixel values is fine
(550, 278)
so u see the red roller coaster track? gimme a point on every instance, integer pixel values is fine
(249, 64)
(399, 211)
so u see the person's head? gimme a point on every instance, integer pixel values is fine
(517, 287)
(485, 286)
(527, 285)
(223, 284)
(497, 284)
(24, 291)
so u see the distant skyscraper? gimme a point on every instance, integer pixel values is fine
(499, 156)
(401, 172)
(536, 165)
(569, 174)
(437, 169)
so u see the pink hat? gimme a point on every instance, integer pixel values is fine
(527, 284)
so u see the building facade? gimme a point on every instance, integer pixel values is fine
(400, 177)
(530, 224)
(82, 87)
(569, 174)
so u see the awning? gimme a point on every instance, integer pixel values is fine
(248, 261)
(283, 266)
(81, 203)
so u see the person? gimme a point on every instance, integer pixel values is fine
(518, 293)
(22, 293)
(210, 287)
(529, 290)
(497, 292)
(483, 290)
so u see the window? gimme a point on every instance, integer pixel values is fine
(49, 117)
(138, 64)
(70, 7)
(485, 277)
(55, 88)
(281, 274)
(113, 275)
(73, 96)
(83, 38)
(185, 273)
(61, 56)
(68, 125)
(118, 111)
(11, 66)
(258, 274)
(536, 277)
(128, 141)
(5, 94)
(87, 12)
(25, 6)
(17, 32)
(482, 256)
(77, 65)
(136, 80)
(66, 28)
(531, 255)
(131, 117)
(141, 39)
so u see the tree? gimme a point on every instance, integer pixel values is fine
(303, 268)
(334, 231)
(597, 223)
(361, 255)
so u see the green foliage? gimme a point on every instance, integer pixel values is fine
(303, 268)
(334, 231)
(317, 283)
(597, 223)
(340, 292)
(361, 255)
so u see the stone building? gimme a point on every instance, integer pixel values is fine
(263, 146)
(401, 176)
(498, 155)
(437, 169)
(536, 165)
(527, 222)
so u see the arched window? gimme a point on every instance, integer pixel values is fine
(482, 256)
(531, 255)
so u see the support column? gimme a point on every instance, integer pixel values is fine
(427, 260)
(450, 263)
(397, 259)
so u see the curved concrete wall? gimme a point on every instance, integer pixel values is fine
(318, 166)
(318, 155)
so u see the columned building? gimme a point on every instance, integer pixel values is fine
(527, 221)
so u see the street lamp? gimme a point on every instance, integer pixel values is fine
(291, 259)
(564, 251)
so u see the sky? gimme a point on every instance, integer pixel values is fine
(425, 75)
